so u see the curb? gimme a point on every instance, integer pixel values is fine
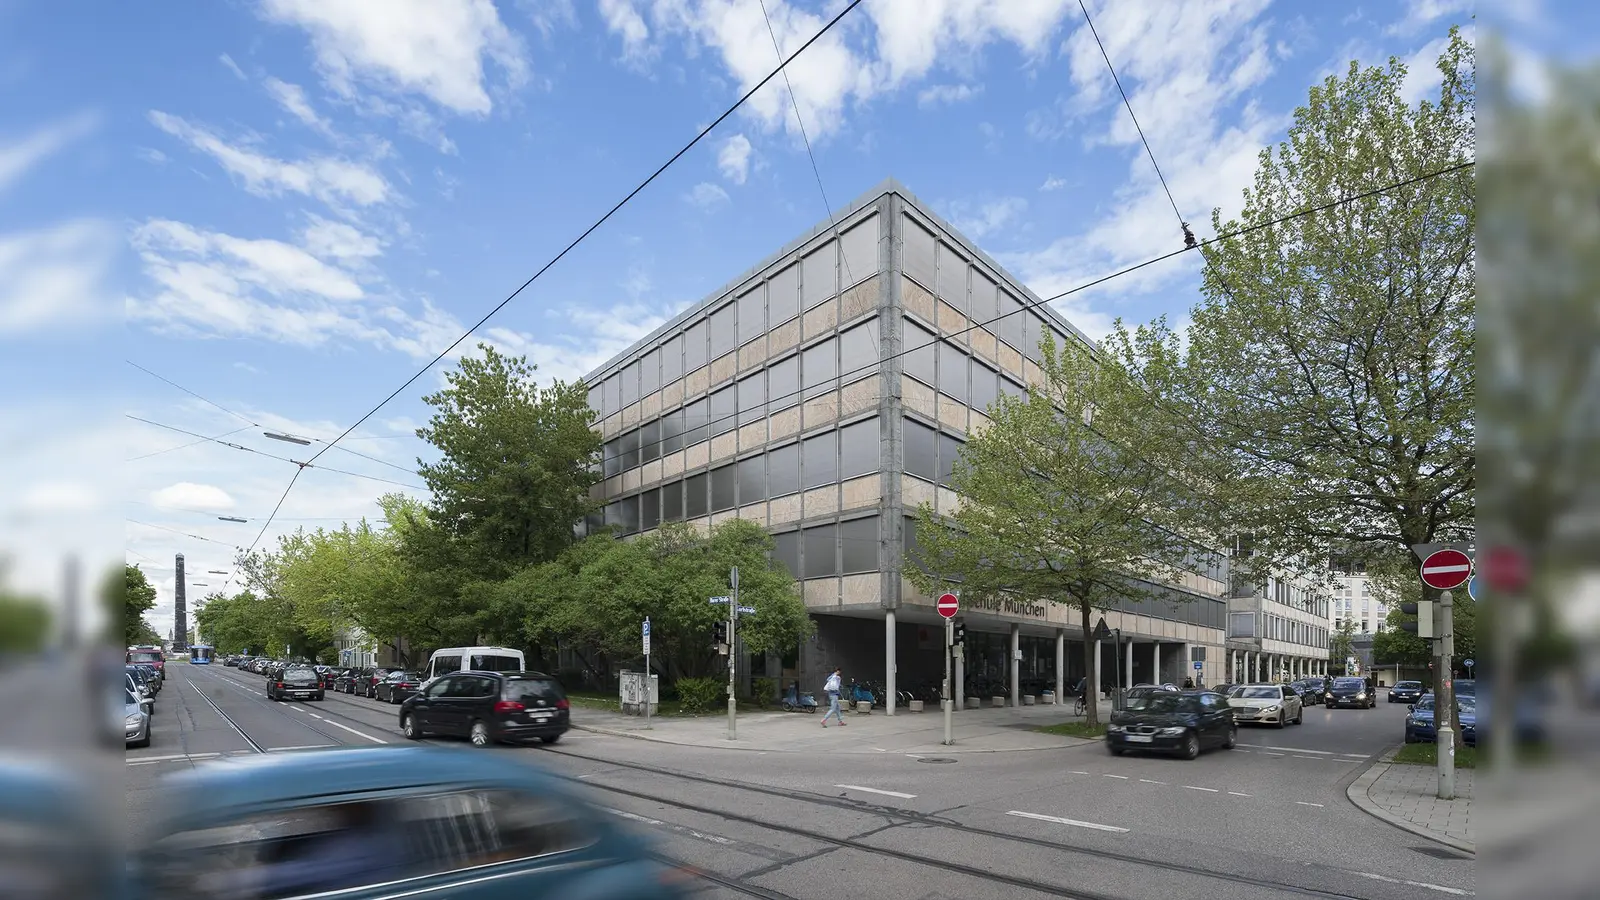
(1357, 792)
(735, 745)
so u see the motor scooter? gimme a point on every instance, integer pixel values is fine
(794, 700)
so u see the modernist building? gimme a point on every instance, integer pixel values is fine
(1354, 601)
(1278, 631)
(784, 398)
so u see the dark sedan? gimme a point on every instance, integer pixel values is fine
(489, 707)
(1314, 691)
(397, 686)
(296, 682)
(1405, 692)
(1420, 727)
(1169, 722)
(1351, 691)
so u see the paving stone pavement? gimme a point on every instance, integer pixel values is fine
(1406, 796)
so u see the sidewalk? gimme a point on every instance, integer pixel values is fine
(1406, 797)
(1006, 729)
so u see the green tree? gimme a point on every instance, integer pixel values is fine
(517, 461)
(1063, 499)
(138, 597)
(1341, 643)
(241, 623)
(24, 623)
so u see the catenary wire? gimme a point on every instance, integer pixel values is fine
(203, 440)
(182, 532)
(597, 223)
(303, 465)
(1111, 276)
(267, 524)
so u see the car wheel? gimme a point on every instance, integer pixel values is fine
(1191, 746)
(409, 727)
(1281, 721)
(1115, 750)
(550, 738)
(480, 734)
(142, 742)
(1232, 740)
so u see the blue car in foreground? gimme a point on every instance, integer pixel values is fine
(392, 822)
(56, 840)
(1420, 728)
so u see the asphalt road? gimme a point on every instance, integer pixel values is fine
(1267, 820)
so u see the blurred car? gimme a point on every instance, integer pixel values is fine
(393, 822)
(1268, 704)
(367, 685)
(1314, 691)
(397, 686)
(1421, 728)
(157, 678)
(135, 715)
(1406, 692)
(145, 681)
(489, 708)
(296, 682)
(1348, 690)
(1528, 718)
(59, 842)
(1168, 722)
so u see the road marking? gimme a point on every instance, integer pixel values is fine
(713, 838)
(375, 740)
(1148, 781)
(1076, 772)
(1275, 754)
(880, 750)
(1314, 758)
(158, 758)
(315, 716)
(1237, 794)
(1304, 803)
(1123, 777)
(857, 787)
(1290, 749)
(1421, 884)
(636, 818)
(1060, 821)
(297, 708)
(913, 756)
(590, 775)
(301, 747)
(1190, 787)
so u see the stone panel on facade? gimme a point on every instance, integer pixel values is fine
(697, 383)
(1032, 375)
(860, 300)
(784, 509)
(755, 512)
(915, 395)
(949, 501)
(861, 589)
(784, 424)
(611, 427)
(650, 407)
(821, 319)
(753, 435)
(952, 324)
(697, 456)
(952, 413)
(784, 338)
(858, 397)
(822, 501)
(672, 464)
(630, 416)
(650, 472)
(863, 491)
(821, 592)
(821, 410)
(724, 368)
(753, 354)
(917, 301)
(914, 491)
(978, 423)
(672, 395)
(724, 446)
(630, 480)
(984, 344)
(1011, 362)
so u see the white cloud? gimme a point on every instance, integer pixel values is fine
(338, 241)
(279, 268)
(151, 155)
(1053, 183)
(188, 495)
(292, 97)
(438, 50)
(1422, 13)
(1422, 71)
(988, 217)
(734, 159)
(625, 22)
(233, 67)
(333, 181)
(55, 277)
(17, 158)
(707, 195)
(940, 94)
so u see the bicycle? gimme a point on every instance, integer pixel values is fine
(1078, 706)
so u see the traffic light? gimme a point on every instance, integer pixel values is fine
(960, 634)
(1422, 624)
(719, 633)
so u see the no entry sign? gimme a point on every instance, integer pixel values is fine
(948, 605)
(1446, 570)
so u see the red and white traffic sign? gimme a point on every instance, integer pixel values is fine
(948, 605)
(1505, 569)
(1446, 570)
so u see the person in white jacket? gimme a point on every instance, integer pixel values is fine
(834, 684)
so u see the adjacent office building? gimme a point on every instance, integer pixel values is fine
(825, 394)
(1354, 601)
(1278, 631)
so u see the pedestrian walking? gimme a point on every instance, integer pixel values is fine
(1188, 684)
(834, 684)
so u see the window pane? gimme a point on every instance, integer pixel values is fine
(1009, 328)
(597, 400)
(613, 458)
(695, 428)
(984, 386)
(921, 447)
(650, 441)
(783, 296)
(672, 502)
(982, 299)
(752, 398)
(949, 450)
(817, 280)
(694, 347)
(672, 360)
(821, 552)
(859, 449)
(913, 552)
(724, 411)
(918, 359)
(613, 391)
(672, 432)
(860, 252)
(752, 480)
(649, 509)
(630, 514)
(858, 349)
(630, 451)
(1012, 389)
(952, 278)
(752, 315)
(953, 371)
(723, 334)
(783, 384)
(820, 367)
(1032, 331)
(694, 496)
(821, 459)
(723, 484)
(783, 466)
(919, 253)
(650, 373)
(614, 516)
(630, 385)
(858, 545)
(786, 551)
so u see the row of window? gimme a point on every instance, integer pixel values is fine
(823, 551)
(821, 274)
(944, 366)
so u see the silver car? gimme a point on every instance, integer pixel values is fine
(1269, 704)
(135, 718)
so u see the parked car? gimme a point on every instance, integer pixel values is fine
(1314, 691)
(136, 718)
(344, 680)
(1351, 691)
(326, 822)
(1269, 704)
(296, 682)
(1405, 692)
(1167, 722)
(1420, 727)
(489, 707)
(368, 685)
(145, 681)
(397, 686)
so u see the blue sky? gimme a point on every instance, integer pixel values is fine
(294, 204)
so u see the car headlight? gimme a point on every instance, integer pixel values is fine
(1113, 728)
(1269, 710)
(133, 719)
(1361, 696)
(1171, 732)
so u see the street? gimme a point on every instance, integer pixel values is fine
(1267, 819)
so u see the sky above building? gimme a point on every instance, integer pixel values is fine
(266, 215)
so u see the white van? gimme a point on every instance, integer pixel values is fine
(474, 659)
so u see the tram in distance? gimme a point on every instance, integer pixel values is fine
(200, 655)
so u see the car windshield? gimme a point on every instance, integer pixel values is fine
(1409, 684)
(1164, 702)
(404, 676)
(1355, 683)
(1256, 693)
(300, 676)
(523, 689)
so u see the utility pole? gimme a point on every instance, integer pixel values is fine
(733, 654)
(1445, 700)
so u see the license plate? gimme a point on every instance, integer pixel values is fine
(1139, 738)
(540, 716)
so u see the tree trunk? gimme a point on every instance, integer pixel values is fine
(1091, 687)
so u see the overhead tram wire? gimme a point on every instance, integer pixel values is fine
(597, 223)
(268, 523)
(203, 440)
(1127, 270)
(303, 465)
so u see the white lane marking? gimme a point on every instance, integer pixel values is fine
(590, 775)
(1060, 821)
(1290, 749)
(1190, 787)
(1123, 777)
(1076, 772)
(880, 750)
(1314, 758)
(1304, 803)
(157, 758)
(713, 838)
(913, 756)
(1276, 754)
(315, 716)
(1421, 884)
(857, 787)
(297, 708)
(375, 740)
(1237, 794)
(636, 818)
(301, 747)
(152, 760)
(1148, 781)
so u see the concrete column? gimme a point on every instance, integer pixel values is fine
(1127, 664)
(888, 662)
(1016, 664)
(1061, 665)
(1155, 662)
